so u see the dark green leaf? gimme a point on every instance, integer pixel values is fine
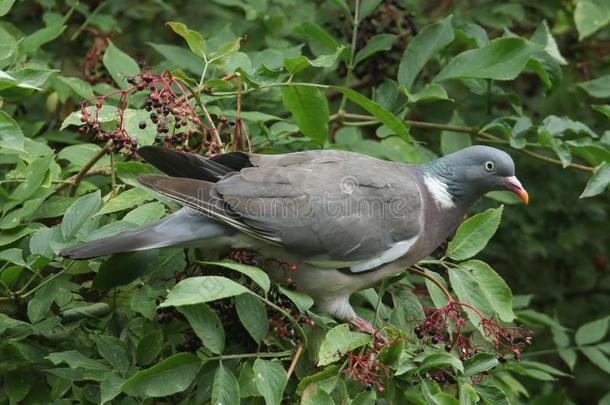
(196, 290)
(168, 377)
(590, 16)
(472, 236)
(193, 38)
(501, 59)
(378, 43)
(256, 274)
(271, 379)
(206, 325)
(598, 182)
(123, 268)
(80, 211)
(119, 65)
(253, 315)
(11, 136)
(429, 41)
(340, 340)
(225, 389)
(35, 40)
(309, 109)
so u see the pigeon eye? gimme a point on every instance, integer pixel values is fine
(489, 165)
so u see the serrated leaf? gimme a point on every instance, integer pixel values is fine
(80, 211)
(338, 341)
(428, 42)
(500, 59)
(598, 183)
(119, 65)
(310, 110)
(253, 315)
(590, 16)
(270, 378)
(494, 288)
(378, 43)
(472, 236)
(193, 38)
(11, 136)
(225, 389)
(206, 325)
(257, 275)
(196, 290)
(441, 360)
(383, 115)
(592, 332)
(168, 377)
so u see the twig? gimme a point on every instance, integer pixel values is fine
(285, 353)
(76, 179)
(208, 118)
(433, 280)
(295, 360)
(467, 130)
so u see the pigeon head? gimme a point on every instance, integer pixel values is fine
(463, 177)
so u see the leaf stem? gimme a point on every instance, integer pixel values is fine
(83, 171)
(285, 353)
(295, 360)
(433, 280)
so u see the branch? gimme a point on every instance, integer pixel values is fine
(466, 130)
(295, 360)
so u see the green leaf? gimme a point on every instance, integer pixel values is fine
(598, 182)
(602, 108)
(196, 290)
(592, 332)
(441, 360)
(492, 394)
(378, 43)
(309, 109)
(127, 199)
(178, 58)
(429, 41)
(80, 211)
(225, 389)
(270, 378)
(11, 136)
(302, 301)
(253, 315)
(472, 236)
(494, 288)
(257, 275)
(298, 63)
(80, 87)
(590, 16)
(500, 59)
(206, 325)
(225, 50)
(316, 33)
(5, 7)
(430, 92)
(75, 359)
(470, 292)
(123, 268)
(168, 377)
(32, 42)
(479, 362)
(597, 357)
(338, 341)
(110, 388)
(599, 88)
(17, 384)
(119, 65)
(193, 38)
(468, 395)
(149, 347)
(111, 349)
(383, 115)
(145, 214)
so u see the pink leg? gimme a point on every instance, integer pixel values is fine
(365, 326)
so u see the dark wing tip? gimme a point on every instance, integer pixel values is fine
(151, 180)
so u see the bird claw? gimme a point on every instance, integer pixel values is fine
(365, 326)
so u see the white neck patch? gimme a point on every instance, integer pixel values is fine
(439, 191)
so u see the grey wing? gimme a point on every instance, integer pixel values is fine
(339, 208)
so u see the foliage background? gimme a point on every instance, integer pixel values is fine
(79, 331)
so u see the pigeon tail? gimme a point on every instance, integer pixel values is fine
(179, 229)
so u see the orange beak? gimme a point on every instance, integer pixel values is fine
(514, 185)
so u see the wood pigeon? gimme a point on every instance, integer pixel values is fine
(346, 220)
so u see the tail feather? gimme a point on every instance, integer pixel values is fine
(181, 228)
